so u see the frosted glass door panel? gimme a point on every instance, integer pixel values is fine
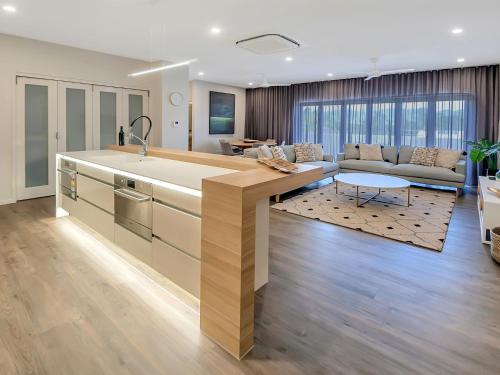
(135, 109)
(35, 140)
(107, 119)
(75, 120)
(36, 135)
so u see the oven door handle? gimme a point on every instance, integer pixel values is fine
(138, 197)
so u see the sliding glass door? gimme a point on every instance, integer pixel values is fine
(36, 102)
(442, 120)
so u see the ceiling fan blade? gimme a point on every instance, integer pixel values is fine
(397, 71)
(369, 78)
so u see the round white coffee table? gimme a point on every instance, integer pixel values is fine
(371, 180)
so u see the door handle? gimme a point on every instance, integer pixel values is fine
(138, 197)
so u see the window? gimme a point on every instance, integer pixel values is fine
(433, 120)
(414, 124)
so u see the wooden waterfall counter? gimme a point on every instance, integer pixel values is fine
(228, 239)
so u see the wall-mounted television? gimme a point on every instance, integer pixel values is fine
(221, 113)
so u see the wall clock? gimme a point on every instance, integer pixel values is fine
(176, 98)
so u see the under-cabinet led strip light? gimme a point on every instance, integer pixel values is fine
(167, 185)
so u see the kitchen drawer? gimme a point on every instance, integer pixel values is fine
(177, 266)
(177, 228)
(183, 201)
(96, 192)
(68, 204)
(96, 218)
(96, 173)
(133, 244)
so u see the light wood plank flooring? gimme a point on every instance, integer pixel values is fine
(338, 302)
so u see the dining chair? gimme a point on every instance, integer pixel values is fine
(227, 149)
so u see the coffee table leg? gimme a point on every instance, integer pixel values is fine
(336, 187)
(357, 196)
(408, 196)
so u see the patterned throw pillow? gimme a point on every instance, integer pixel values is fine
(304, 152)
(278, 153)
(424, 156)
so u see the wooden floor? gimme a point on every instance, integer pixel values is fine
(338, 302)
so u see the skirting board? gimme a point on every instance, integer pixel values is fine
(7, 201)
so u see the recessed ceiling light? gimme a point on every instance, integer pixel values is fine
(215, 30)
(330, 74)
(460, 60)
(9, 9)
(457, 30)
(201, 73)
(250, 83)
(289, 58)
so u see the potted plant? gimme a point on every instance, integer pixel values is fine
(485, 150)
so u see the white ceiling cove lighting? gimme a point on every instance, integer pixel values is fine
(164, 67)
(215, 30)
(457, 30)
(9, 9)
(460, 60)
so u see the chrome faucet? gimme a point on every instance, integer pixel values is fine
(144, 151)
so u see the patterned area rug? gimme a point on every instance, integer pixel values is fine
(424, 223)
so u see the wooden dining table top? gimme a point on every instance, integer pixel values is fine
(242, 143)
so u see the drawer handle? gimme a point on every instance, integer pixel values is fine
(132, 195)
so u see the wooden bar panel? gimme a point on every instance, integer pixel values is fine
(227, 267)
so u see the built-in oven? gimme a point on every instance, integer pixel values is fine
(67, 178)
(134, 206)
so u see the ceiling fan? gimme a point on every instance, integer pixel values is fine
(376, 72)
(265, 83)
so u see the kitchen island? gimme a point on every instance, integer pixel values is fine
(208, 226)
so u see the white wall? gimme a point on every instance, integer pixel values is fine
(175, 80)
(202, 141)
(34, 58)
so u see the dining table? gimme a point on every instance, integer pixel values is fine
(248, 143)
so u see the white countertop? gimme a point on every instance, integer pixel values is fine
(175, 172)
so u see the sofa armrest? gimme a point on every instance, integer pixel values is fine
(340, 156)
(461, 167)
(328, 158)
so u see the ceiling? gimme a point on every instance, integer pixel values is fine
(337, 36)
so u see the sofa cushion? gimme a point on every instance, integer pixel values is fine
(366, 165)
(405, 153)
(370, 152)
(289, 152)
(326, 165)
(447, 158)
(390, 154)
(351, 151)
(264, 151)
(250, 153)
(431, 173)
(318, 151)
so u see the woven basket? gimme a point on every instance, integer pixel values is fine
(495, 244)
